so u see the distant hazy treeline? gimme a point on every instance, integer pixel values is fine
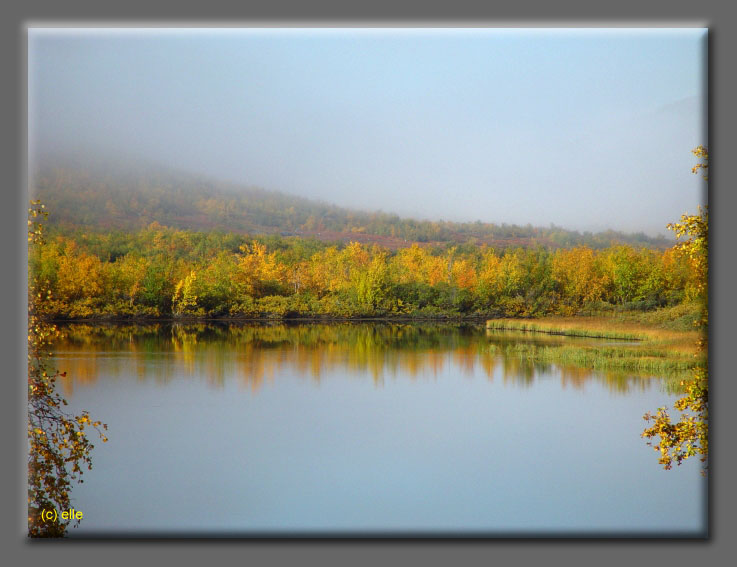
(131, 199)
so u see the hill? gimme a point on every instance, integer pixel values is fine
(113, 195)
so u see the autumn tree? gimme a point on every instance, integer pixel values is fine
(488, 286)
(372, 282)
(324, 272)
(126, 278)
(689, 436)
(185, 299)
(260, 272)
(575, 272)
(59, 448)
(216, 287)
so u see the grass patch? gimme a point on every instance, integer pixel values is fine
(655, 362)
(602, 328)
(681, 317)
(565, 327)
(652, 348)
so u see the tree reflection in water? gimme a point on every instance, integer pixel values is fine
(257, 353)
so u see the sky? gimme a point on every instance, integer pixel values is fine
(587, 129)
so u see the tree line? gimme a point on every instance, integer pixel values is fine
(162, 272)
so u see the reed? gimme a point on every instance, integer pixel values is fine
(651, 362)
(596, 327)
(561, 328)
(644, 349)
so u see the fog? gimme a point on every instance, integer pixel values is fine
(585, 129)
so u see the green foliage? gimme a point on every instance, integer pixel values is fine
(157, 287)
(372, 283)
(147, 271)
(642, 360)
(184, 300)
(273, 305)
(162, 276)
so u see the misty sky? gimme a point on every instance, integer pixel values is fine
(586, 129)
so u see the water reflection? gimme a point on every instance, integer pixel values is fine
(258, 353)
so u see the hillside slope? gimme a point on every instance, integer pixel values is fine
(129, 197)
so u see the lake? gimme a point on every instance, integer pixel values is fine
(363, 429)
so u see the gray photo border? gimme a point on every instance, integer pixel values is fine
(717, 16)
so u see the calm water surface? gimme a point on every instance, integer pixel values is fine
(357, 429)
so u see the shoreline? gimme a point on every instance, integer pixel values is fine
(268, 319)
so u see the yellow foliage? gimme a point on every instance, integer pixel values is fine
(258, 268)
(576, 272)
(464, 274)
(79, 275)
(58, 448)
(490, 273)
